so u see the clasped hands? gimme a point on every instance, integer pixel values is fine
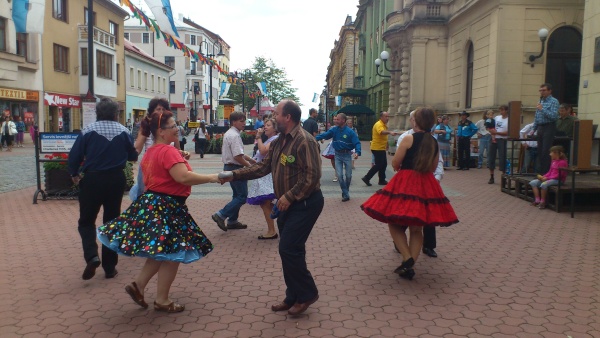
(227, 176)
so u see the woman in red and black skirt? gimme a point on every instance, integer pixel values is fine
(413, 198)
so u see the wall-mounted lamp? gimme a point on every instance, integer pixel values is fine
(543, 34)
(384, 56)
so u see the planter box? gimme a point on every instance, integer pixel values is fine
(58, 180)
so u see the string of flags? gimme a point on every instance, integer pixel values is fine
(170, 39)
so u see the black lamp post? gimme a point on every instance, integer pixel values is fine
(210, 67)
(244, 76)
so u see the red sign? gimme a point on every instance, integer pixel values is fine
(61, 100)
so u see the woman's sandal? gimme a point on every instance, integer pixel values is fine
(135, 294)
(171, 308)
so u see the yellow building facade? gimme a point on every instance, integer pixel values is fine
(474, 55)
(66, 71)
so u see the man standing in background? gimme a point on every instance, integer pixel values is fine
(544, 123)
(379, 145)
(311, 125)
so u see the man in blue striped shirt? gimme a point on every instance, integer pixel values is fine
(546, 115)
(344, 141)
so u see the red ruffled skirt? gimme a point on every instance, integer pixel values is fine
(411, 198)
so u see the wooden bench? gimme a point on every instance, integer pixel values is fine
(587, 192)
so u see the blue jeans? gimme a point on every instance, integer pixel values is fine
(240, 192)
(543, 185)
(484, 142)
(344, 160)
(530, 156)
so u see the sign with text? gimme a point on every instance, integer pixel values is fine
(61, 100)
(193, 124)
(89, 113)
(57, 142)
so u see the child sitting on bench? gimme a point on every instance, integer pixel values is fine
(559, 160)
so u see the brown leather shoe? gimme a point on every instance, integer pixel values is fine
(280, 307)
(299, 308)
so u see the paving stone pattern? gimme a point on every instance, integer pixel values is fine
(506, 270)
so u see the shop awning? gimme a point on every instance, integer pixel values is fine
(356, 109)
(177, 105)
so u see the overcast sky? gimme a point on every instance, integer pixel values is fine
(296, 35)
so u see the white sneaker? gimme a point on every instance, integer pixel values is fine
(335, 179)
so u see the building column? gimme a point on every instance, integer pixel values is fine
(404, 94)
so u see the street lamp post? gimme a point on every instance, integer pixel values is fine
(210, 67)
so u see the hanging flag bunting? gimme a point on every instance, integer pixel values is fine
(163, 15)
(166, 36)
(224, 88)
(262, 86)
(28, 16)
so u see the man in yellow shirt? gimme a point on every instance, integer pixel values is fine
(379, 146)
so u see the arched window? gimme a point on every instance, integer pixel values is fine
(563, 64)
(469, 88)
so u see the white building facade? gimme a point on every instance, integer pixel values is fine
(186, 74)
(145, 79)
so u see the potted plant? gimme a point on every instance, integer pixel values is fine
(57, 177)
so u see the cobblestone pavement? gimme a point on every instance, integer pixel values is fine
(506, 270)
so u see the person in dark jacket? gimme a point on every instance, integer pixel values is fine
(96, 163)
(465, 130)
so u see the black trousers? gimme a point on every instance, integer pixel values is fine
(99, 189)
(545, 139)
(295, 225)
(429, 241)
(464, 151)
(379, 167)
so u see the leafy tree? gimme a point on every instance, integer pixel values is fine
(263, 70)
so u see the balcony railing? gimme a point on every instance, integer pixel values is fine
(434, 11)
(101, 37)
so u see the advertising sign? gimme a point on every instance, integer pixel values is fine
(193, 124)
(61, 100)
(89, 112)
(57, 142)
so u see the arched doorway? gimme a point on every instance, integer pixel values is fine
(563, 64)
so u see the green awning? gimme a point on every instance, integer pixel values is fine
(353, 92)
(356, 109)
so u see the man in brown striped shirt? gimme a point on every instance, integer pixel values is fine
(295, 163)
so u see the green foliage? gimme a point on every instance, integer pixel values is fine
(247, 138)
(215, 145)
(279, 87)
(129, 181)
(58, 164)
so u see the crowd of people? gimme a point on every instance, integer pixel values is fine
(285, 178)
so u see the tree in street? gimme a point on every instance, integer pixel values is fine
(279, 87)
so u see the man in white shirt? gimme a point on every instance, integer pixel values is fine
(233, 158)
(498, 147)
(429, 239)
(484, 137)
(530, 147)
